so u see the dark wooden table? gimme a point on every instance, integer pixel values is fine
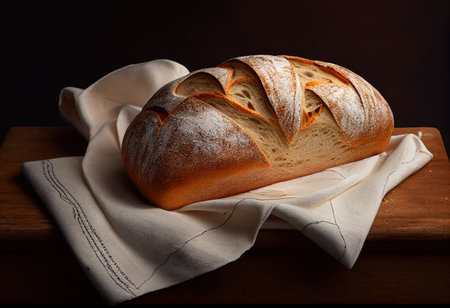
(406, 258)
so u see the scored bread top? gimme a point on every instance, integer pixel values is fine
(358, 108)
(223, 124)
(282, 87)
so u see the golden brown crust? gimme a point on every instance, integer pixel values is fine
(358, 108)
(194, 146)
(282, 88)
(205, 136)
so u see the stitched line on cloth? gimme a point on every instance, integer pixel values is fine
(340, 232)
(331, 223)
(189, 240)
(94, 240)
(395, 170)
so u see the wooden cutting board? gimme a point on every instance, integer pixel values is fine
(413, 219)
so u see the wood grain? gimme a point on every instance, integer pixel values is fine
(24, 221)
(419, 207)
(404, 260)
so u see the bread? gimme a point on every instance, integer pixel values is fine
(250, 122)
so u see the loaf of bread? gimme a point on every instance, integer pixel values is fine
(250, 122)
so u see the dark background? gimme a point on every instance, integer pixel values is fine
(401, 47)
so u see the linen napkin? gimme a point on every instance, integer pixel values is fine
(128, 247)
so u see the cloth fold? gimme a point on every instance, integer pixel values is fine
(129, 247)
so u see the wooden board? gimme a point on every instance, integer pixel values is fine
(407, 249)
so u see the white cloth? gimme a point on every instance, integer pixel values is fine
(129, 247)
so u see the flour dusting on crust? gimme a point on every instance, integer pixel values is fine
(196, 135)
(283, 90)
(222, 75)
(345, 105)
(375, 114)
